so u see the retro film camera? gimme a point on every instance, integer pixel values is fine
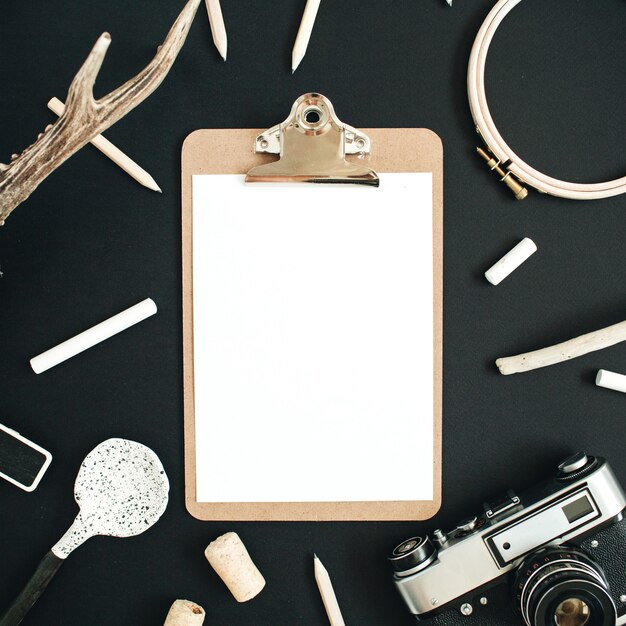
(553, 556)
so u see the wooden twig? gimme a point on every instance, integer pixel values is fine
(85, 117)
(565, 351)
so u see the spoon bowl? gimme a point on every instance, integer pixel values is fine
(121, 489)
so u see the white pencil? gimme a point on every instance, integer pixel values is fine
(218, 30)
(328, 594)
(113, 152)
(304, 33)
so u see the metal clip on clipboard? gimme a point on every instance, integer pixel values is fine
(312, 144)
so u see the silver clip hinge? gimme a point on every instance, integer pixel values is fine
(312, 143)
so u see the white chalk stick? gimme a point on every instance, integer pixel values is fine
(611, 380)
(511, 261)
(93, 336)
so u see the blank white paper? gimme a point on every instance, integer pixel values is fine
(313, 340)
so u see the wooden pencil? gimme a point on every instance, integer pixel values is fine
(304, 33)
(328, 593)
(113, 152)
(218, 30)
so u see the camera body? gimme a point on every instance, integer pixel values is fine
(554, 555)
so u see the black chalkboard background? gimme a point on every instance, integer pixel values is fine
(91, 242)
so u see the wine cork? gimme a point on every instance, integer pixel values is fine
(185, 613)
(230, 559)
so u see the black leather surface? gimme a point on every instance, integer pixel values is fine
(91, 241)
(609, 554)
(499, 611)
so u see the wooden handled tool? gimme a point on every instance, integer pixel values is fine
(122, 490)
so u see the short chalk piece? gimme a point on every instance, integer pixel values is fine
(611, 380)
(511, 261)
(93, 336)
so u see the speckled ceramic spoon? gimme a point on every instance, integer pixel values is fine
(122, 490)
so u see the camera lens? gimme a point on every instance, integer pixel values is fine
(564, 587)
(412, 555)
(572, 612)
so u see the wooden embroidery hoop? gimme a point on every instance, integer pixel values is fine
(513, 170)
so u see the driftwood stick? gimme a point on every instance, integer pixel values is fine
(565, 351)
(85, 117)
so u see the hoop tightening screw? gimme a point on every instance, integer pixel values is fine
(506, 177)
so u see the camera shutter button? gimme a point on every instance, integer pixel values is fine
(574, 463)
(467, 525)
(576, 467)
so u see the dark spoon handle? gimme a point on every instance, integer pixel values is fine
(34, 588)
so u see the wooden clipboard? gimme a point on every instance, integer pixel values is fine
(231, 152)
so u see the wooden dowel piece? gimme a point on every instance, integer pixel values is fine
(324, 584)
(113, 152)
(304, 33)
(218, 29)
(596, 340)
(185, 613)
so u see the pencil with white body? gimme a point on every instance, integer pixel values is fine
(218, 30)
(304, 33)
(113, 152)
(328, 593)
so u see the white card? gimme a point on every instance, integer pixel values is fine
(313, 340)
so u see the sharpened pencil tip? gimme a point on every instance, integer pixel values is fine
(222, 47)
(150, 183)
(296, 59)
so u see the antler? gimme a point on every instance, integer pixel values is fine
(86, 117)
